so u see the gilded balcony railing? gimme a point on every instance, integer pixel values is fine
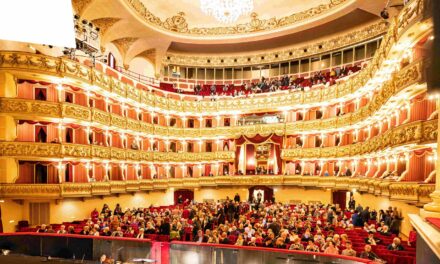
(43, 110)
(51, 151)
(405, 191)
(28, 65)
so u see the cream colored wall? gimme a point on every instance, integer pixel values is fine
(283, 194)
(12, 212)
(377, 202)
(219, 193)
(142, 66)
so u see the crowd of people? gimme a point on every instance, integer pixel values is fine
(313, 227)
(265, 85)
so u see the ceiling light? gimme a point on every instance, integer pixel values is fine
(226, 11)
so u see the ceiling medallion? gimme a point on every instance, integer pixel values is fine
(226, 11)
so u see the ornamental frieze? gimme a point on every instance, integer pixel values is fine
(178, 23)
(405, 134)
(289, 53)
(72, 111)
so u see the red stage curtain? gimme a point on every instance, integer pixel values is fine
(237, 157)
(207, 169)
(417, 166)
(52, 174)
(278, 156)
(250, 158)
(1, 223)
(26, 172)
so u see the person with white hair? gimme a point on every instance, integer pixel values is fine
(395, 246)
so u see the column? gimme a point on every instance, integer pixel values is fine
(8, 129)
(433, 209)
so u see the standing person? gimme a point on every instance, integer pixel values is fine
(237, 198)
(351, 203)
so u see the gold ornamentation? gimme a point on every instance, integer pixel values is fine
(105, 23)
(178, 22)
(80, 5)
(65, 150)
(123, 44)
(410, 192)
(292, 53)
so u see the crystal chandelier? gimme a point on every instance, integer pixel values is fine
(226, 11)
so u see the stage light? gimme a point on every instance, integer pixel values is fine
(384, 14)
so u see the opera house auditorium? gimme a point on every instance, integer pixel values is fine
(221, 131)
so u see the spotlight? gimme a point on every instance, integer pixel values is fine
(384, 14)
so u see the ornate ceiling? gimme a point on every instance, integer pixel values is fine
(152, 28)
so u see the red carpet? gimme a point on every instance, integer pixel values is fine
(434, 221)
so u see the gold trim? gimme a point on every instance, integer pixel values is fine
(42, 110)
(178, 23)
(50, 151)
(410, 192)
(337, 43)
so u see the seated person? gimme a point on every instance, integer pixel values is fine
(224, 238)
(371, 240)
(368, 254)
(117, 232)
(395, 246)
(312, 247)
(349, 251)
(296, 245)
(385, 231)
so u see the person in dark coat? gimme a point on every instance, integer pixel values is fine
(351, 203)
(275, 227)
(365, 215)
(165, 227)
(356, 219)
(237, 198)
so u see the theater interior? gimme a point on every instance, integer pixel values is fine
(222, 131)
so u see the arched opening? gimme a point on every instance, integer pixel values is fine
(116, 56)
(183, 196)
(142, 66)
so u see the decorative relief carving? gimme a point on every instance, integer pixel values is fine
(50, 150)
(406, 134)
(178, 23)
(105, 23)
(283, 55)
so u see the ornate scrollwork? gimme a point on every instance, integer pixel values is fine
(405, 134)
(177, 23)
(50, 150)
(410, 192)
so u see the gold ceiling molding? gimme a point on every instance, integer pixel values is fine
(123, 44)
(179, 24)
(80, 5)
(339, 42)
(105, 23)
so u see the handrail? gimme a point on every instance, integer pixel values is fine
(298, 252)
(261, 249)
(144, 240)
